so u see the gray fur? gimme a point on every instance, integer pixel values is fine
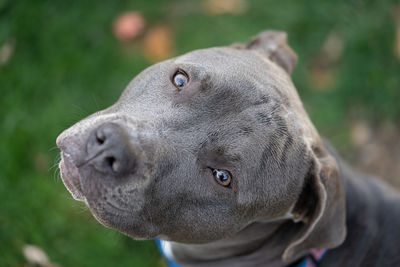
(239, 112)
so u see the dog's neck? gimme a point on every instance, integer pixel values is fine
(258, 243)
(371, 206)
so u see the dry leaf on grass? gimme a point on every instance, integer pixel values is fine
(37, 257)
(158, 44)
(321, 73)
(333, 47)
(360, 133)
(322, 79)
(378, 150)
(128, 26)
(6, 52)
(218, 7)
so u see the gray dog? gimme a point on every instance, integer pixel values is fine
(213, 154)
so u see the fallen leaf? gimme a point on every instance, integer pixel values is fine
(128, 26)
(37, 257)
(6, 52)
(321, 75)
(321, 80)
(378, 150)
(218, 7)
(333, 47)
(360, 133)
(158, 44)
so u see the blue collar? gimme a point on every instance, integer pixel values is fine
(310, 260)
(170, 262)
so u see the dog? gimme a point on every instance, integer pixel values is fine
(213, 154)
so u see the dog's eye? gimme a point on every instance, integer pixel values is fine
(223, 177)
(180, 79)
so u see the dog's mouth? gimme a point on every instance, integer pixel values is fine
(70, 177)
(105, 202)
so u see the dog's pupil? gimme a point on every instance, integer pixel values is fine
(180, 80)
(222, 176)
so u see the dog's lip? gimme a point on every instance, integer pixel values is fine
(70, 177)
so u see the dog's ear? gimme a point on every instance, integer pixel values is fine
(320, 208)
(273, 44)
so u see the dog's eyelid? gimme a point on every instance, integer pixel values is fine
(181, 71)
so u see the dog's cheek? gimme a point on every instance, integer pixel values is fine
(203, 225)
(263, 195)
(189, 219)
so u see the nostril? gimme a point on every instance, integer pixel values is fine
(100, 137)
(111, 162)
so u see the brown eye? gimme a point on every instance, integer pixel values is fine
(223, 177)
(180, 79)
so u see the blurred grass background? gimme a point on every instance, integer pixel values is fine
(60, 61)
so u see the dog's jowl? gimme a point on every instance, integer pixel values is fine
(212, 154)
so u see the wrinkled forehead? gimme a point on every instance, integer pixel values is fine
(230, 61)
(234, 65)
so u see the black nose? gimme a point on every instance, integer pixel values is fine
(110, 150)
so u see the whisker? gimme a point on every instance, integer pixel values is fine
(80, 109)
(53, 148)
(82, 209)
(56, 173)
(95, 101)
(56, 162)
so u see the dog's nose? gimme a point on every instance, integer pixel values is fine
(110, 150)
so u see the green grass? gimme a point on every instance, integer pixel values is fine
(67, 64)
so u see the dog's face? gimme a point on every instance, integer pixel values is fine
(196, 148)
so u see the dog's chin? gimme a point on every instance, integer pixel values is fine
(70, 177)
(131, 226)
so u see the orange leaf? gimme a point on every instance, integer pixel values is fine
(158, 44)
(217, 7)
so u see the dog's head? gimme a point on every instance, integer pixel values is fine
(200, 146)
